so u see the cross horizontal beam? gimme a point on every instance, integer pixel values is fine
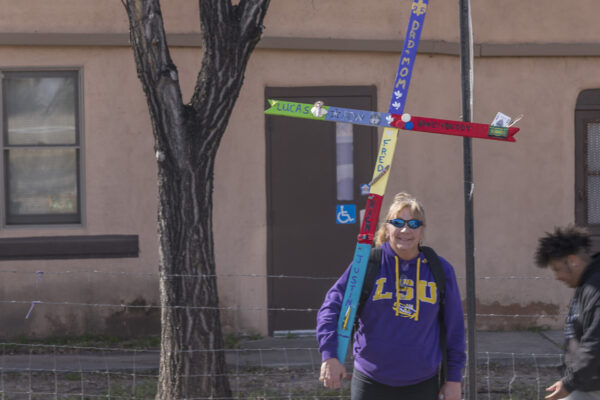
(321, 112)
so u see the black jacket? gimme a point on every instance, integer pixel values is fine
(582, 330)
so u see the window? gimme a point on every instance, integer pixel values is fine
(587, 161)
(41, 147)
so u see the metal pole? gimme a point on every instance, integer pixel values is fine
(466, 64)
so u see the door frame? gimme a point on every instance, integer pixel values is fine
(303, 91)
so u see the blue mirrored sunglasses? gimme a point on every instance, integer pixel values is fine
(399, 223)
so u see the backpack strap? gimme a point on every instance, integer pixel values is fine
(370, 275)
(435, 266)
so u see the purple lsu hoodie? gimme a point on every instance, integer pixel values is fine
(397, 342)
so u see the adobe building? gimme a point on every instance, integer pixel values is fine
(79, 192)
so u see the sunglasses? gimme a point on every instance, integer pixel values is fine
(399, 223)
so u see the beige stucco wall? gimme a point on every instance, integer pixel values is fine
(554, 21)
(521, 189)
(119, 195)
(493, 21)
(89, 16)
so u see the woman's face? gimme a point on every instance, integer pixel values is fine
(404, 241)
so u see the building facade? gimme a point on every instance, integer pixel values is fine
(78, 222)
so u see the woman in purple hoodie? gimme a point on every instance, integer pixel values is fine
(397, 352)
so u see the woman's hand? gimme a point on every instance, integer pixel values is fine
(450, 391)
(332, 371)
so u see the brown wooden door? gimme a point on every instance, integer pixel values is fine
(305, 244)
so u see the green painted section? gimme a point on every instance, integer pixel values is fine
(292, 109)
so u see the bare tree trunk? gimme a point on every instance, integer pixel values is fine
(187, 137)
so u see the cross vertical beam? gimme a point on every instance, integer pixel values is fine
(392, 122)
(373, 207)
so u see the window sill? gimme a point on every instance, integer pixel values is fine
(69, 247)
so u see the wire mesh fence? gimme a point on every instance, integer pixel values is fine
(257, 368)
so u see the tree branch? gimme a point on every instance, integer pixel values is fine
(155, 69)
(253, 14)
(230, 34)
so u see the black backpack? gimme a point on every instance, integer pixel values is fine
(435, 265)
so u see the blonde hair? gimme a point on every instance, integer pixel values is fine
(401, 201)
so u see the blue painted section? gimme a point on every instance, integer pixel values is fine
(345, 214)
(407, 57)
(361, 117)
(351, 297)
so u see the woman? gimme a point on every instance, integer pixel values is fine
(396, 348)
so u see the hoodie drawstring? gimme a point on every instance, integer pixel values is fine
(400, 290)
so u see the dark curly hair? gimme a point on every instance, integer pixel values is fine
(561, 243)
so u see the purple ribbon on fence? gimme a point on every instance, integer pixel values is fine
(407, 58)
(38, 277)
(33, 303)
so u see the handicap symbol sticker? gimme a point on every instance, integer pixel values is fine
(345, 214)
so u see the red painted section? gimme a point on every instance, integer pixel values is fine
(369, 225)
(457, 128)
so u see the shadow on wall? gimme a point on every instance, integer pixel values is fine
(136, 321)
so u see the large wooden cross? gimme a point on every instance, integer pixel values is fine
(391, 121)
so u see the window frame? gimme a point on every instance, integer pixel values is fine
(43, 220)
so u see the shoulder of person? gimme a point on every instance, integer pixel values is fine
(590, 288)
(592, 274)
(446, 265)
(591, 284)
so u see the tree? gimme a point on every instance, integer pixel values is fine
(187, 137)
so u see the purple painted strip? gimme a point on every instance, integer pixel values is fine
(407, 58)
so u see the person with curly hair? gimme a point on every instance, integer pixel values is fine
(566, 252)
